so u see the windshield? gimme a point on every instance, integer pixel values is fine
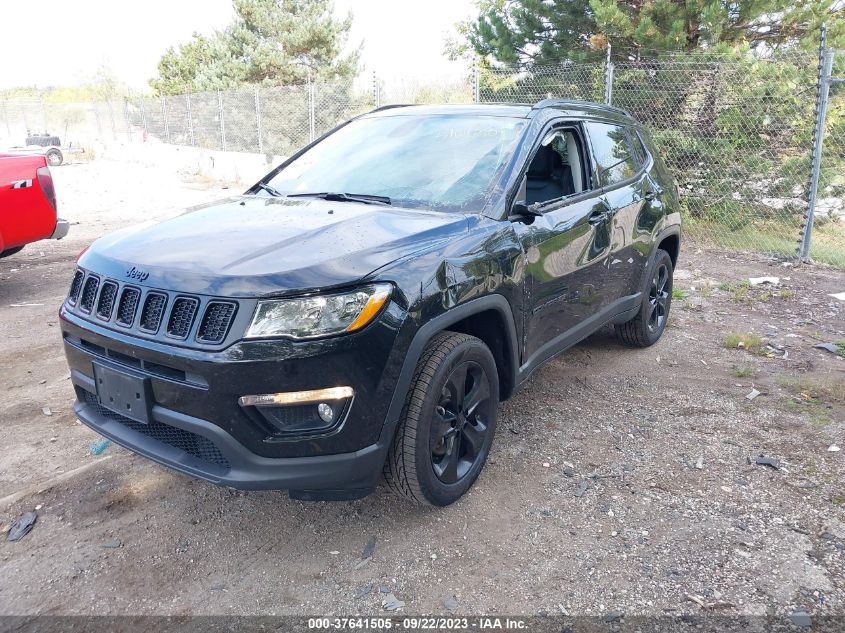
(446, 163)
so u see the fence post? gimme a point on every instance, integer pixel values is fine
(608, 78)
(190, 118)
(822, 94)
(128, 121)
(96, 110)
(143, 118)
(258, 121)
(476, 83)
(312, 116)
(111, 120)
(376, 95)
(44, 116)
(222, 119)
(164, 116)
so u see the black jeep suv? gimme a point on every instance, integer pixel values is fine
(366, 306)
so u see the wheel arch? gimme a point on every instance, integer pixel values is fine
(490, 318)
(489, 326)
(668, 240)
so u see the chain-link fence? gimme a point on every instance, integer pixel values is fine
(76, 122)
(737, 131)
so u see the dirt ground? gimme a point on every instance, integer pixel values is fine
(620, 480)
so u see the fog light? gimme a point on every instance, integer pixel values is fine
(299, 413)
(325, 412)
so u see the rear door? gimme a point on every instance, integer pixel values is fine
(620, 170)
(566, 246)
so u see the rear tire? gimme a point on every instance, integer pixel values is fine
(647, 327)
(11, 251)
(447, 423)
(54, 157)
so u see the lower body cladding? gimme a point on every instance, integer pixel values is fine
(322, 435)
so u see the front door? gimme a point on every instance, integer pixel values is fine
(566, 246)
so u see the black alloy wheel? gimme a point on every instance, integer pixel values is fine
(459, 426)
(658, 298)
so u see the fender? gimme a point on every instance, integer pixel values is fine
(672, 229)
(442, 322)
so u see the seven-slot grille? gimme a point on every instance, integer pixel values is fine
(215, 322)
(182, 317)
(89, 294)
(76, 287)
(128, 305)
(106, 302)
(151, 312)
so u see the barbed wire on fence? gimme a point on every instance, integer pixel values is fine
(735, 130)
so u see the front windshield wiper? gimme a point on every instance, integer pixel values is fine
(271, 190)
(344, 197)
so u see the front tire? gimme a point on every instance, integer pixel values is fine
(647, 327)
(447, 423)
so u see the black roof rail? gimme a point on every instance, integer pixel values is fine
(390, 107)
(551, 103)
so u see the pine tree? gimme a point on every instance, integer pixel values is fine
(271, 42)
(524, 32)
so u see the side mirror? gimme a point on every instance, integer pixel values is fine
(521, 212)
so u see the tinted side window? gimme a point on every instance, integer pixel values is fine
(612, 151)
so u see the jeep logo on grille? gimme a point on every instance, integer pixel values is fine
(134, 273)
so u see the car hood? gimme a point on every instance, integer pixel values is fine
(250, 246)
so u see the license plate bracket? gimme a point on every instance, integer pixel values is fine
(124, 393)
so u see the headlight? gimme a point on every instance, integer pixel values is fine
(320, 315)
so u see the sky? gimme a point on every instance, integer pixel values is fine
(401, 37)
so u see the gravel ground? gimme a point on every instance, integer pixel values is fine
(620, 480)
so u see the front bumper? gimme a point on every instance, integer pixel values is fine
(197, 427)
(201, 449)
(61, 230)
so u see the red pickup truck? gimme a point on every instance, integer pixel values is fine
(27, 203)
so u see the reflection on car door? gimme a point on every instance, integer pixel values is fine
(627, 189)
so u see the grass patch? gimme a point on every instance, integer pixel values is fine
(748, 341)
(739, 290)
(777, 238)
(809, 390)
(813, 398)
(840, 345)
(679, 294)
(746, 371)
(816, 412)
(744, 292)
